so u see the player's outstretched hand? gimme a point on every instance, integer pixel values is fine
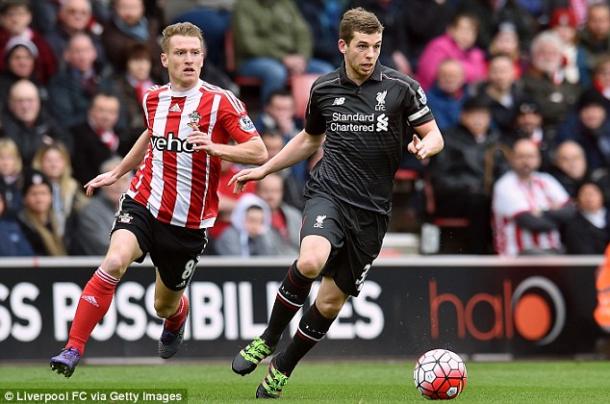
(418, 148)
(102, 180)
(249, 174)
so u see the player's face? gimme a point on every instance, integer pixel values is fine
(361, 54)
(183, 60)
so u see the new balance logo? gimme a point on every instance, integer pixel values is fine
(382, 123)
(90, 299)
(339, 101)
(175, 108)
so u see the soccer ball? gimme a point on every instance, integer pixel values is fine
(440, 374)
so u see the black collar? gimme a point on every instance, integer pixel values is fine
(375, 76)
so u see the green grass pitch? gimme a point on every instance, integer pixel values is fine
(336, 382)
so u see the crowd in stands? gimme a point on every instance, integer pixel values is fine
(519, 88)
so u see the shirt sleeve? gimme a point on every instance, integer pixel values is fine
(555, 190)
(507, 200)
(233, 117)
(416, 105)
(315, 124)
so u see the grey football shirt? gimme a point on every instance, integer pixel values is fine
(365, 130)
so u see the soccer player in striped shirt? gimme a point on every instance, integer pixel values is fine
(172, 198)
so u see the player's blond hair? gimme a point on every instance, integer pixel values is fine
(358, 20)
(180, 28)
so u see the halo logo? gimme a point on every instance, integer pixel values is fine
(535, 310)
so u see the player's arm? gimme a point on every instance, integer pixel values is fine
(427, 142)
(130, 162)
(252, 151)
(300, 147)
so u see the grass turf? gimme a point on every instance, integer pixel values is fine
(341, 382)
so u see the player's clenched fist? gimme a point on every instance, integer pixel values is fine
(201, 141)
(418, 148)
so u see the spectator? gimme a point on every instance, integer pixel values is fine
(462, 175)
(589, 126)
(73, 88)
(285, 219)
(11, 180)
(502, 92)
(27, 123)
(95, 220)
(529, 207)
(446, 97)
(601, 81)
(528, 125)
(227, 199)
(279, 115)
(545, 81)
(506, 43)
(127, 27)
(391, 15)
(74, 16)
(457, 43)
(570, 166)
(575, 68)
(15, 19)
(249, 234)
(588, 232)
(323, 17)
(595, 36)
(68, 198)
(214, 20)
(493, 13)
(36, 218)
(20, 63)
(12, 240)
(96, 139)
(423, 21)
(294, 177)
(130, 88)
(273, 42)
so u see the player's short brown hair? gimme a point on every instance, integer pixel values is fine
(358, 20)
(180, 28)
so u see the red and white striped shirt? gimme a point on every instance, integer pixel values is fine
(512, 197)
(177, 185)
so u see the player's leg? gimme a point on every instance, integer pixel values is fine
(175, 254)
(290, 297)
(321, 234)
(312, 328)
(173, 306)
(96, 298)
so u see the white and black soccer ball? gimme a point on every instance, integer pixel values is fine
(440, 374)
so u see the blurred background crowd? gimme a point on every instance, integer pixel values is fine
(519, 88)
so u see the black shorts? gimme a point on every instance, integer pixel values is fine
(174, 250)
(355, 235)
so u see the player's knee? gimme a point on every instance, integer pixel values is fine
(329, 307)
(163, 309)
(115, 265)
(310, 266)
